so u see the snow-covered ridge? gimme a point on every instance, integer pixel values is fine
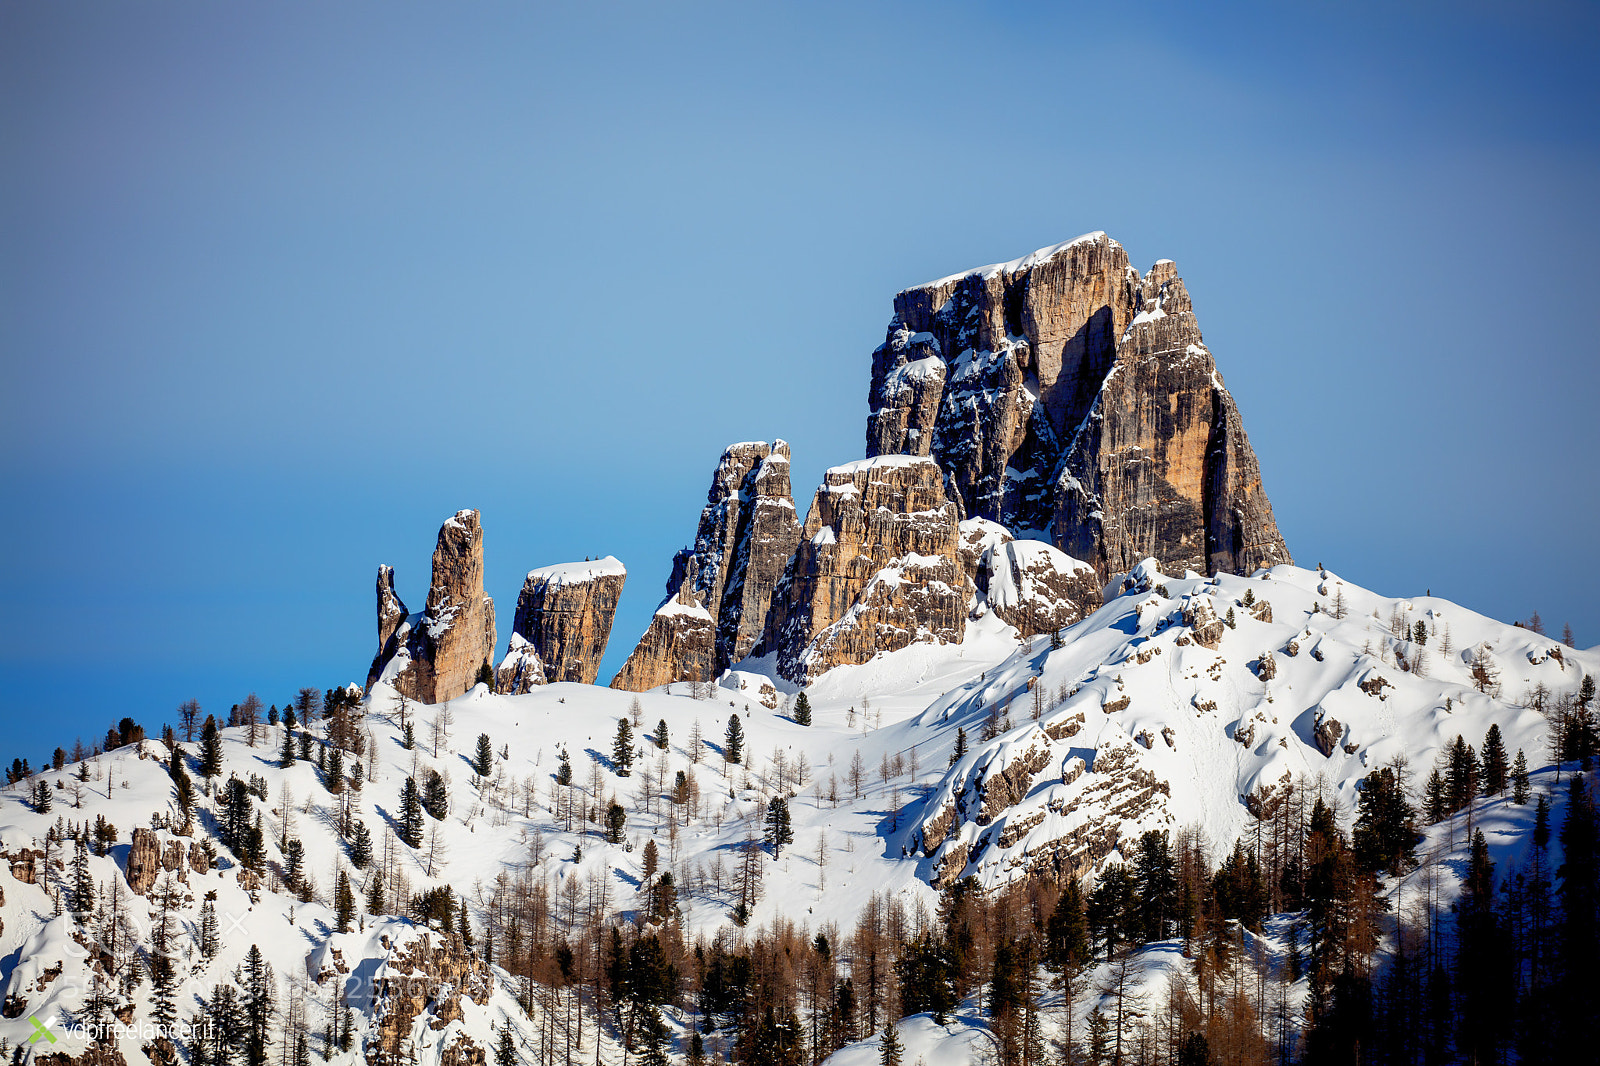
(558, 574)
(1027, 262)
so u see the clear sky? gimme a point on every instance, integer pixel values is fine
(283, 286)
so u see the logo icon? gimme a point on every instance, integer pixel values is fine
(41, 1030)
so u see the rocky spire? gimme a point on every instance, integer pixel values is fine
(437, 655)
(1067, 397)
(720, 589)
(562, 624)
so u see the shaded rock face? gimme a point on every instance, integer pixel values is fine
(721, 588)
(436, 656)
(1069, 397)
(878, 567)
(562, 624)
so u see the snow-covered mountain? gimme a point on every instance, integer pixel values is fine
(1155, 712)
(919, 686)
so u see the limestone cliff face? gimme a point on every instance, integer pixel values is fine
(1067, 397)
(878, 568)
(720, 589)
(562, 624)
(436, 656)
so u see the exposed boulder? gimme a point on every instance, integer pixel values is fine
(721, 589)
(1064, 393)
(878, 568)
(1201, 619)
(562, 624)
(436, 656)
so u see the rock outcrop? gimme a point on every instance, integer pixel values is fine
(1065, 395)
(1035, 587)
(144, 860)
(437, 656)
(720, 590)
(562, 624)
(878, 568)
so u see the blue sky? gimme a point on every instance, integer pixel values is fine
(282, 286)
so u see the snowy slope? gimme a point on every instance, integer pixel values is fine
(1156, 707)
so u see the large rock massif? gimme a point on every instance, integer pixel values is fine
(720, 589)
(1065, 395)
(562, 625)
(878, 568)
(436, 656)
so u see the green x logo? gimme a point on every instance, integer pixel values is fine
(40, 1030)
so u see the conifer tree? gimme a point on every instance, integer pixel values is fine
(360, 846)
(411, 814)
(661, 735)
(622, 749)
(293, 863)
(210, 749)
(1495, 772)
(733, 740)
(779, 831)
(83, 886)
(286, 756)
(564, 771)
(375, 894)
(961, 747)
(889, 1047)
(616, 821)
(505, 1052)
(483, 760)
(436, 796)
(208, 925)
(344, 903)
(259, 995)
(802, 709)
(1066, 934)
(1520, 787)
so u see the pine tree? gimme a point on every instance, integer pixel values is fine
(505, 1052)
(1520, 788)
(208, 925)
(164, 985)
(258, 988)
(210, 749)
(436, 796)
(961, 747)
(293, 863)
(802, 709)
(779, 831)
(83, 886)
(286, 757)
(483, 762)
(42, 797)
(889, 1047)
(616, 821)
(1494, 762)
(733, 740)
(408, 737)
(360, 846)
(411, 814)
(1066, 934)
(564, 771)
(344, 903)
(375, 894)
(662, 740)
(622, 749)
